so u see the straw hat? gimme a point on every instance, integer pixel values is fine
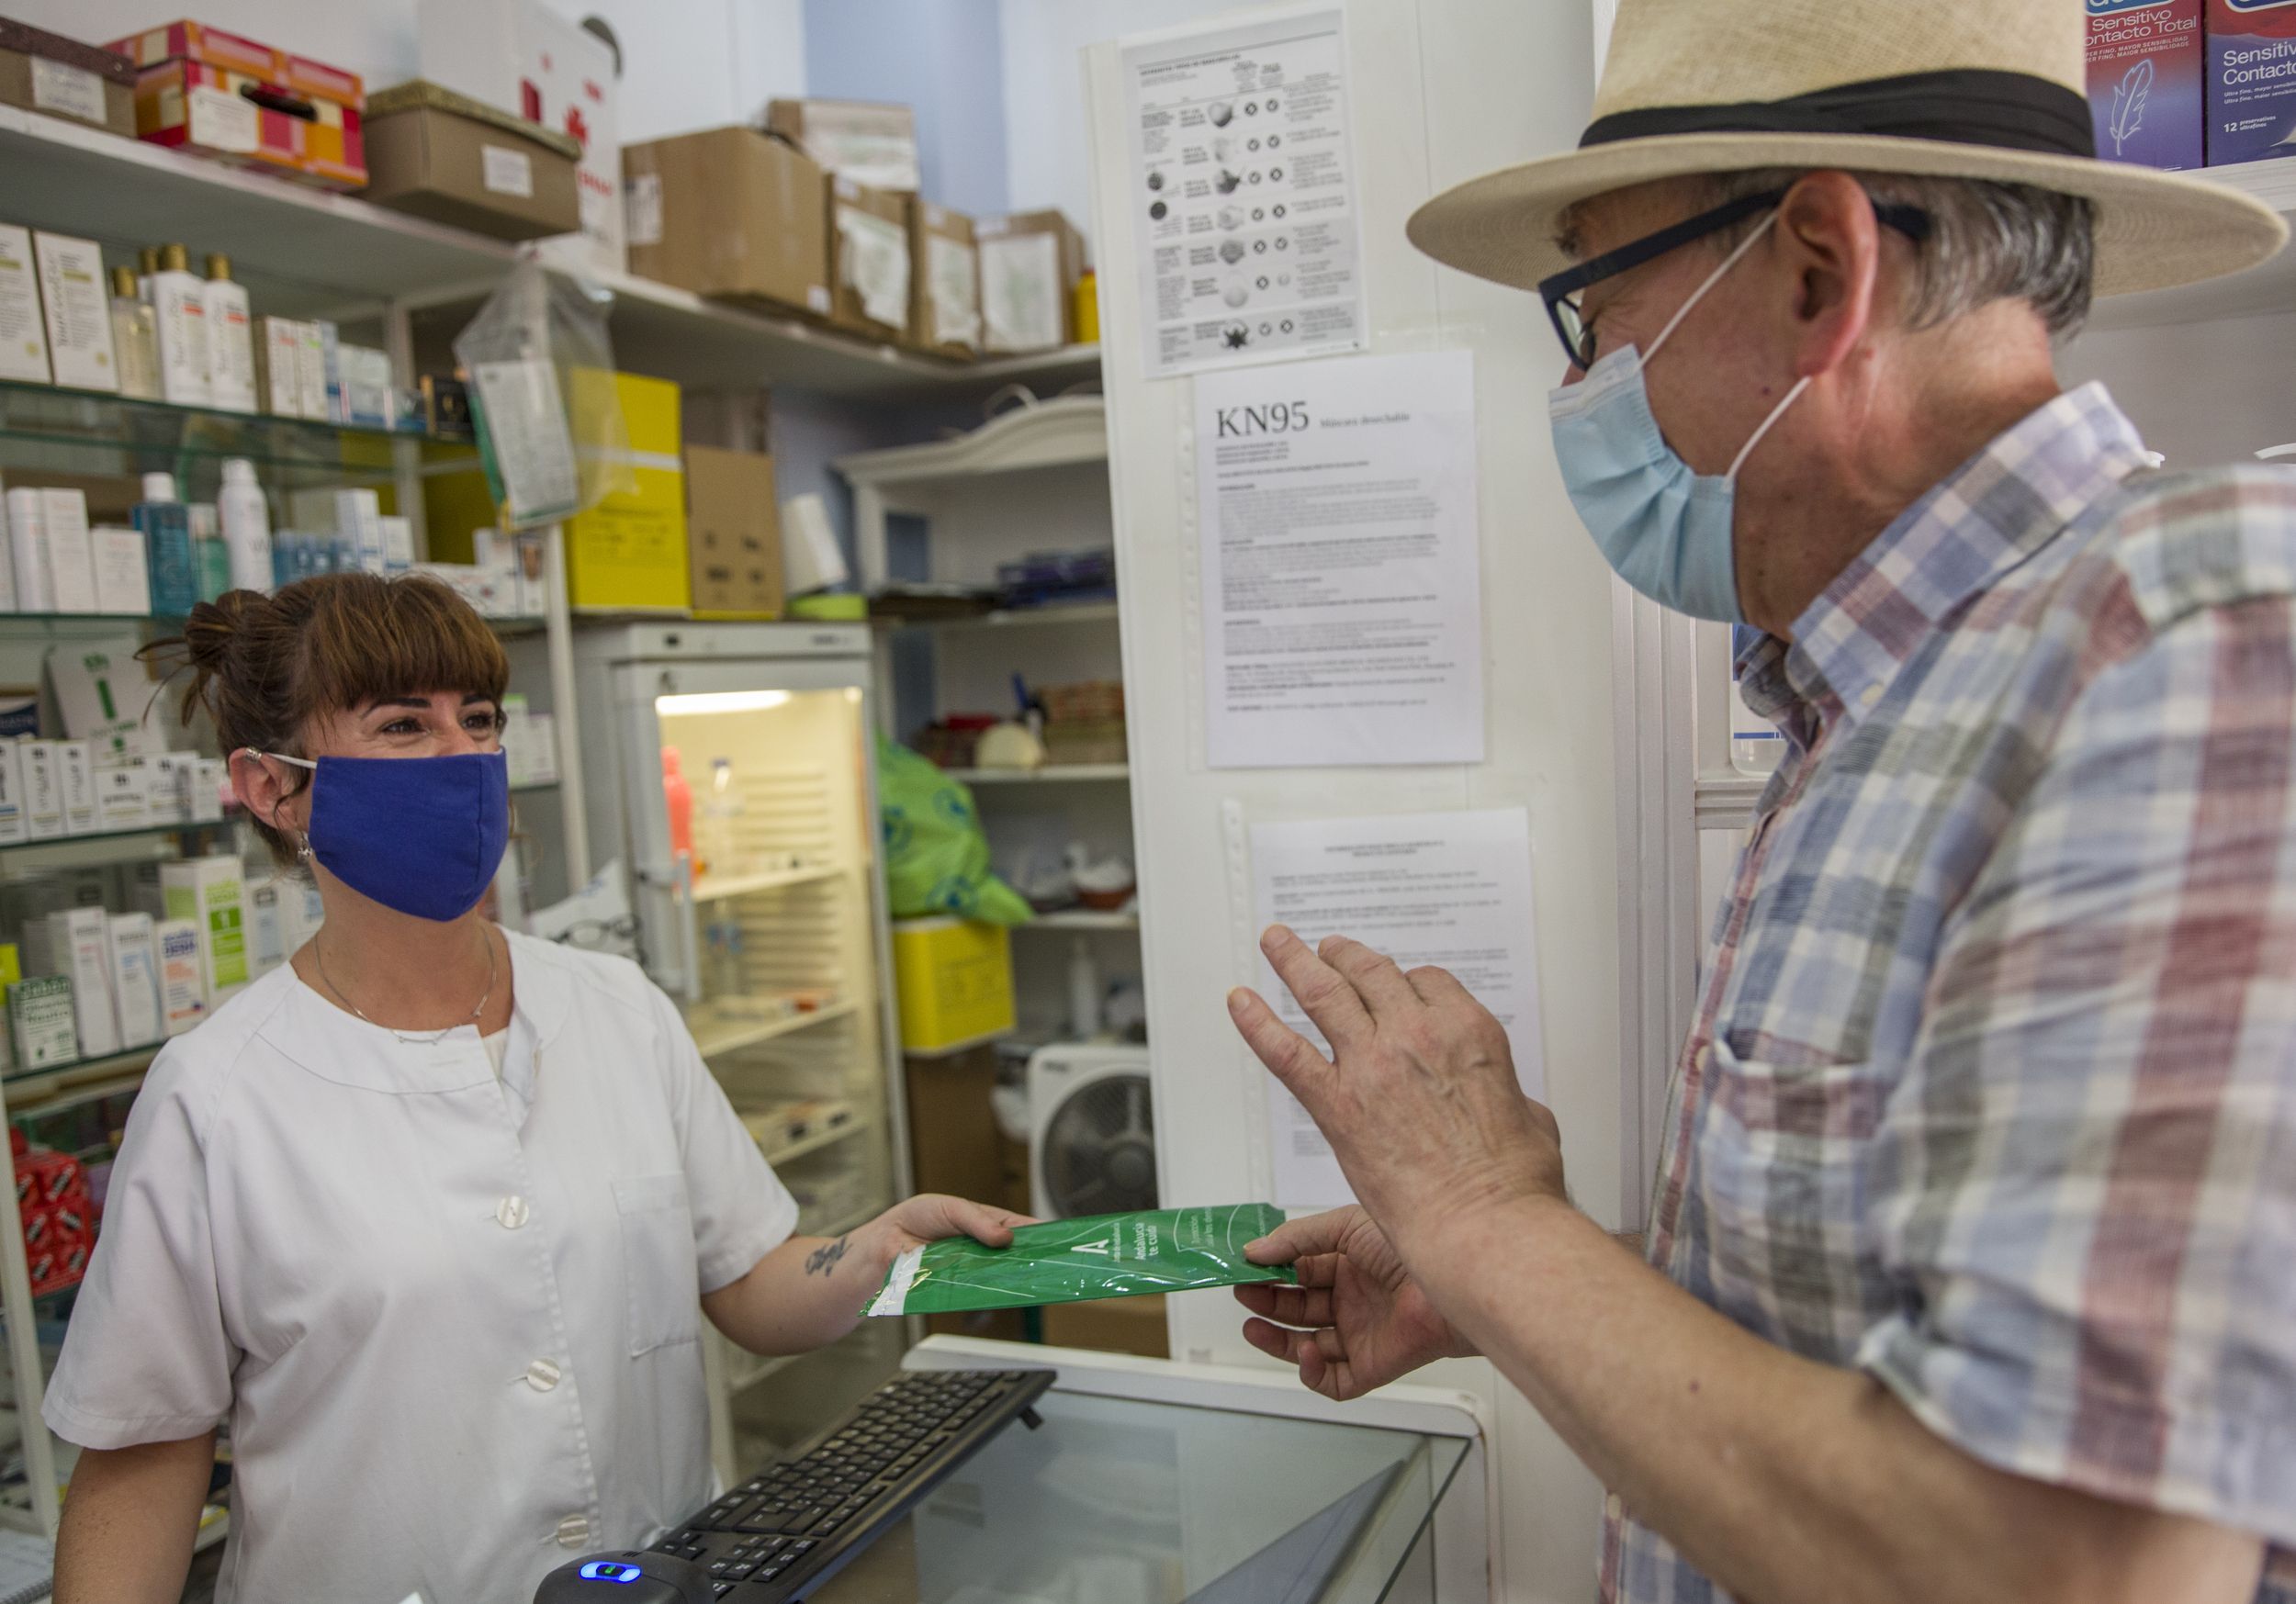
(1950, 88)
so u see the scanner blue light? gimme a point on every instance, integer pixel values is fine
(607, 1570)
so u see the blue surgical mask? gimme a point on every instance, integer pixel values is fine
(421, 835)
(1665, 528)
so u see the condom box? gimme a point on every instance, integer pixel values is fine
(182, 992)
(2145, 75)
(75, 762)
(210, 893)
(135, 979)
(41, 1014)
(2251, 73)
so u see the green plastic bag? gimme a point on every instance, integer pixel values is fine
(936, 856)
(1069, 1260)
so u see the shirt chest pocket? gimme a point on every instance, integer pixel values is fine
(657, 1263)
(1783, 1151)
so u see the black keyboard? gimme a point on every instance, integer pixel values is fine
(783, 1532)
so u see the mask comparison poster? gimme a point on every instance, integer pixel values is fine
(1339, 562)
(1451, 890)
(1243, 195)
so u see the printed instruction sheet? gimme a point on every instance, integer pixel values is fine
(1450, 890)
(1340, 564)
(1243, 184)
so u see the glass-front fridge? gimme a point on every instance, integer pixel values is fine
(732, 768)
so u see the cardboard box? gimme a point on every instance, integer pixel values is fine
(231, 118)
(944, 281)
(75, 762)
(123, 796)
(183, 989)
(235, 116)
(209, 892)
(2251, 79)
(71, 552)
(123, 574)
(42, 1016)
(869, 259)
(629, 551)
(79, 945)
(454, 160)
(731, 213)
(1111, 1325)
(733, 526)
(2145, 76)
(14, 824)
(46, 72)
(135, 979)
(867, 142)
(523, 57)
(1029, 265)
(43, 790)
(23, 334)
(77, 304)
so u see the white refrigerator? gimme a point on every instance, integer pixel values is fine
(766, 922)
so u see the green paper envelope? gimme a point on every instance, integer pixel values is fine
(1069, 1260)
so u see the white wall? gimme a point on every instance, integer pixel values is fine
(1443, 90)
(687, 63)
(1047, 153)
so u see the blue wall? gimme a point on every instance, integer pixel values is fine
(946, 58)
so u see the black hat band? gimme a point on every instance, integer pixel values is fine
(1964, 106)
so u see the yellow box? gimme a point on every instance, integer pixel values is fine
(629, 551)
(953, 978)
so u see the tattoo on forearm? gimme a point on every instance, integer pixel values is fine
(822, 1260)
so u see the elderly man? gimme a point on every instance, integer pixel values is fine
(1972, 1265)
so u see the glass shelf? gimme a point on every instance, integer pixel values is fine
(136, 834)
(89, 432)
(116, 1064)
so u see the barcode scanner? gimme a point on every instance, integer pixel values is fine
(629, 1577)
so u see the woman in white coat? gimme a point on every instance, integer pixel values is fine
(430, 1215)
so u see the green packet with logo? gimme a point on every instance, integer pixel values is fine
(1069, 1261)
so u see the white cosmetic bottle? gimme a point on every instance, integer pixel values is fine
(231, 341)
(246, 525)
(180, 298)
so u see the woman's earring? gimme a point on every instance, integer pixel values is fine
(304, 849)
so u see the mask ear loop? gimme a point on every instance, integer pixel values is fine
(303, 848)
(1712, 279)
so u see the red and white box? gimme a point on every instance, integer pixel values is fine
(237, 100)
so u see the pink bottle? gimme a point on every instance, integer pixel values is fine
(679, 796)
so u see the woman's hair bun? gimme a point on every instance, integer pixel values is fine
(215, 626)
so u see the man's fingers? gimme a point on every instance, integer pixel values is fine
(1439, 987)
(1320, 988)
(1291, 1057)
(1287, 1305)
(1298, 1239)
(1377, 980)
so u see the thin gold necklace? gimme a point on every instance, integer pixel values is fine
(319, 954)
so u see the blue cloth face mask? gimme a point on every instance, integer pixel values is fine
(421, 835)
(1665, 528)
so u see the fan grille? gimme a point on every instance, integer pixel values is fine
(1100, 1150)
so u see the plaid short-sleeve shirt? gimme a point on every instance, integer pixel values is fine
(1992, 1087)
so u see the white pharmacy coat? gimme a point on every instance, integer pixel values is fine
(451, 1320)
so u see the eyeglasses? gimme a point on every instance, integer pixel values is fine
(1562, 292)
